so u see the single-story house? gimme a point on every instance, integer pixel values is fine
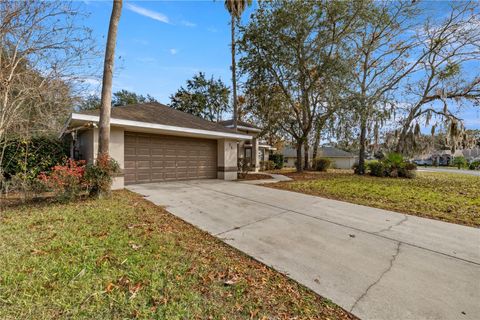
(255, 150)
(290, 156)
(445, 157)
(153, 142)
(340, 159)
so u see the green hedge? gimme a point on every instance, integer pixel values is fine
(321, 164)
(277, 159)
(32, 156)
(474, 165)
(393, 165)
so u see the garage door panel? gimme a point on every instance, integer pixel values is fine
(142, 151)
(157, 152)
(154, 158)
(157, 164)
(129, 164)
(130, 139)
(129, 150)
(142, 164)
(157, 176)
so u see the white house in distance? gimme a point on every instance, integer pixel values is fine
(340, 159)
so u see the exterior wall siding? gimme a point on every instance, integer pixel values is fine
(88, 147)
(227, 159)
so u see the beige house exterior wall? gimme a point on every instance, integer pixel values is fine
(88, 146)
(85, 145)
(342, 163)
(227, 159)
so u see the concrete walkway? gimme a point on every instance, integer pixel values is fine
(452, 170)
(377, 264)
(274, 178)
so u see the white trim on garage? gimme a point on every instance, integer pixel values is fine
(164, 128)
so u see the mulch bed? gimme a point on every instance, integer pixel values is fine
(255, 176)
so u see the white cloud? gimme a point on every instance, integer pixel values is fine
(173, 51)
(148, 13)
(212, 29)
(187, 23)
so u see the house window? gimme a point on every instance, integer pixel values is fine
(248, 153)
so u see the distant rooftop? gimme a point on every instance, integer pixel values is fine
(229, 123)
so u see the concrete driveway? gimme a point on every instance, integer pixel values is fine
(377, 264)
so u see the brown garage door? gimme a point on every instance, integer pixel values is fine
(154, 158)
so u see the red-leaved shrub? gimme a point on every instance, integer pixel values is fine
(98, 176)
(66, 180)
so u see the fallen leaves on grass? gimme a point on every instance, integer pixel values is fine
(182, 273)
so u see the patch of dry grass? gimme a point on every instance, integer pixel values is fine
(127, 258)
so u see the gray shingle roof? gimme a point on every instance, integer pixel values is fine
(161, 114)
(290, 152)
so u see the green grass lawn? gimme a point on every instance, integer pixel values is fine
(444, 196)
(126, 258)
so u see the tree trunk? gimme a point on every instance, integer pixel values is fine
(299, 164)
(316, 144)
(306, 148)
(234, 76)
(363, 139)
(400, 147)
(106, 99)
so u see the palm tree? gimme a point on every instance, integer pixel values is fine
(235, 8)
(106, 98)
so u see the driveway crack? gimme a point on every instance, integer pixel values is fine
(405, 218)
(364, 294)
(250, 223)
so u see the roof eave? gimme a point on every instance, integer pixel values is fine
(161, 127)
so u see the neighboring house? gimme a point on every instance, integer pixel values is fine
(290, 156)
(471, 154)
(154, 143)
(340, 159)
(254, 150)
(445, 157)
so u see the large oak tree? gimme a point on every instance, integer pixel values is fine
(291, 52)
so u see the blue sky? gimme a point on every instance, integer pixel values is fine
(161, 44)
